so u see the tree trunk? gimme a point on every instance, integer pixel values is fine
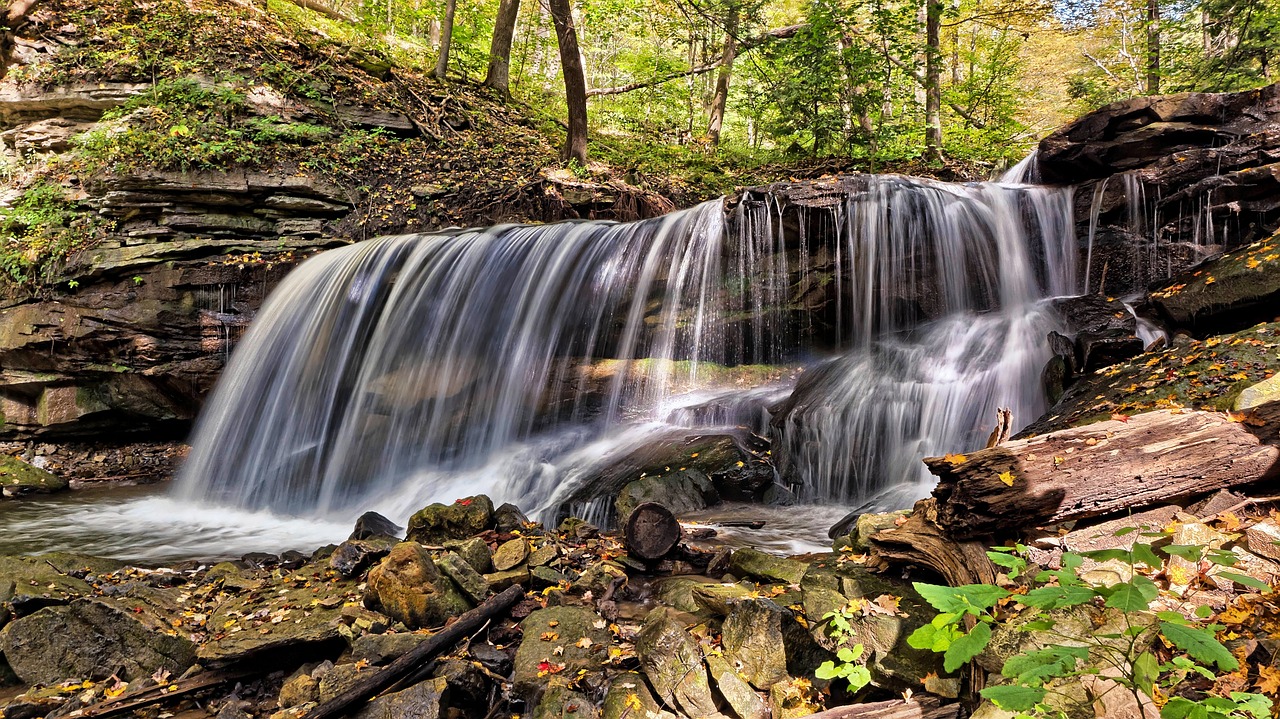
(651, 531)
(315, 6)
(446, 39)
(922, 707)
(721, 97)
(1153, 47)
(933, 83)
(575, 82)
(921, 542)
(1104, 468)
(504, 32)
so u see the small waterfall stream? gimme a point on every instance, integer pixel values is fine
(518, 360)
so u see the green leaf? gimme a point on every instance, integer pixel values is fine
(1013, 697)
(1057, 597)
(1245, 580)
(966, 647)
(1222, 558)
(1256, 704)
(1034, 667)
(1133, 595)
(1204, 611)
(1142, 553)
(1175, 617)
(1106, 555)
(934, 639)
(1199, 644)
(826, 670)
(1179, 708)
(1146, 669)
(1125, 530)
(967, 598)
(1014, 564)
(1189, 552)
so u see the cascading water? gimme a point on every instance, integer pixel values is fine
(517, 361)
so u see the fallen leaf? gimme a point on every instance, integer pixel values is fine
(1006, 477)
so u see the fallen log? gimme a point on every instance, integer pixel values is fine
(921, 708)
(386, 677)
(1104, 468)
(133, 701)
(920, 541)
(651, 531)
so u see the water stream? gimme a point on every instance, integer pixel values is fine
(519, 360)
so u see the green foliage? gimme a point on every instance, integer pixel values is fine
(1037, 678)
(848, 664)
(39, 231)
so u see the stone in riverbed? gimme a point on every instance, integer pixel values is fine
(420, 701)
(473, 585)
(356, 555)
(18, 478)
(753, 562)
(752, 638)
(510, 554)
(379, 649)
(474, 551)
(560, 702)
(499, 581)
(672, 660)
(409, 588)
(372, 524)
(625, 689)
(546, 630)
(508, 518)
(681, 492)
(437, 523)
(744, 701)
(94, 638)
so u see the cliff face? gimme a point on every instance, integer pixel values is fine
(166, 165)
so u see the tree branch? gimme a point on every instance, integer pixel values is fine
(325, 10)
(968, 117)
(781, 33)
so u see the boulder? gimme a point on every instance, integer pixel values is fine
(755, 563)
(561, 702)
(28, 584)
(858, 535)
(472, 584)
(744, 701)
(474, 551)
(409, 588)
(356, 555)
(681, 492)
(463, 519)
(1263, 539)
(18, 478)
(424, 700)
(1256, 395)
(372, 524)
(508, 518)
(672, 660)
(511, 554)
(380, 649)
(1229, 293)
(626, 690)
(554, 646)
(752, 637)
(93, 639)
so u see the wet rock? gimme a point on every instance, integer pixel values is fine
(492, 658)
(544, 555)
(93, 638)
(564, 628)
(473, 586)
(681, 492)
(474, 551)
(380, 649)
(423, 700)
(509, 518)
(779, 496)
(28, 584)
(340, 678)
(720, 599)
(858, 536)
(560, 702)
(753, 562)
(672, 660)
(298, 690)
(499, 581)
(598, 577)
(467, 685)
(463, 519)
(356, 555)
(543, 577)
(409, 588)
(372, 524)
(744, 701)
(1229, 293)
(625, 690)
(1103, 350)
(578, 528)
(752, 637)
(18, 478)
(510, 554)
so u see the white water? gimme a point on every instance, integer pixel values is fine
(405, 370)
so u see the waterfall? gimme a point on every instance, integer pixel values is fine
(514, 360)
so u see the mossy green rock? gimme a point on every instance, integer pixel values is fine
(672, 660)
(379, 649)
(560, 702)
(473, 586)
(511, 554)
(761, 565)
(474, 551)
(423, 700)
(752, 637)
(94, 638)
(1229, 290)
(562, 628)
(46, 579)
(18, 478)
(439, 523)
(619, 702)
(683, 491)
(744, 701)
(409, 588)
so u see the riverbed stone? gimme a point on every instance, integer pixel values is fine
(559, 628)
(598, 577)
(561, 702)
(499, 581)
(18, 478)
(423, 700)
(437, 523)
(379, 649)
(356, 555)
(744, 701)
(510, 554)
(508, 518)
(409, 588)
(672, 660)
(752, 639)
(475, 551)
(755, 563)
(372, 524)
(94, 638)
(473, 586)
(683, 491)
(626, 690)
(28, 584)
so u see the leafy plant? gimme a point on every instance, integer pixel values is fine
(969, 614)
(848, 664)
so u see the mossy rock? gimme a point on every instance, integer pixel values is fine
(681, 492)
(439, 523)
(553, 636)
(408, 587)
(18, 478)
(1226, 293)
(762, 565)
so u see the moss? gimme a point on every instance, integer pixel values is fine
(40, 230)
(18, 477)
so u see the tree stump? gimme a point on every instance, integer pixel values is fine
(651, 531)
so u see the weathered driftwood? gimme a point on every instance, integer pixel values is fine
(389, 675)
(920, 541)
(1104, 468)
(916, 708)
(135, 700)
(651, 531)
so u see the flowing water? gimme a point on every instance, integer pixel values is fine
(517, 361)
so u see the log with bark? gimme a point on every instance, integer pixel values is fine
(1126, 463)
(651, 531)
(921, 542)
(389, 675)
(915, 708)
